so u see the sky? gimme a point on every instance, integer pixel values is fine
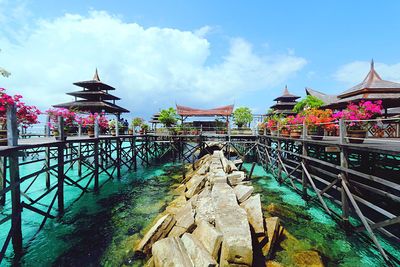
(202, 54)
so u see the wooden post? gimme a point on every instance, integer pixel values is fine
(344, 163)
(135, 154)
(79, 129)
(304, 153)
(3, 170)
(47, 127)
(96, 164)
(118, 147)
(12, 138)
(47, 165)
(61, 128)
(60, 179)
(96, 128)
(251, 170)
(117, 126)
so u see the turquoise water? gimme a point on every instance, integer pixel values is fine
(99, 228)
(313, 229)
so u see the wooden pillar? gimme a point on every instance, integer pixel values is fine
(304, 179)
(60, 178)
(96, 164)
(47, 127)
(135, 154)
(117, 126)
(118, 146)
(3, 171)
(344, 164)
(16, 209)
(80, 159)
(61, 128)
(47, 165)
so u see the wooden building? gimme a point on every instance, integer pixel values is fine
(94, 97)
(285, 103)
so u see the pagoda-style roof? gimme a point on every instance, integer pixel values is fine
(373, 87)
(94, 84)
(192, 112)
(154, 118)
(286, 96)
(92, 106)
(94, 96)
(327, 99)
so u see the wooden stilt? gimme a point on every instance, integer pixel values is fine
(3, 171)
(60, 179)
(47, 165)
(96, 165)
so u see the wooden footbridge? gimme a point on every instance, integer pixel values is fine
(363, 179)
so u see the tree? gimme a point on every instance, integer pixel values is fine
(309, 102)
(136, 122)
(242, 116)
(168, 117)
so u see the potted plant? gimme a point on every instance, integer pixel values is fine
(144, 128)
(272, 124)
(89, 121)
(242, 116)
(356, 116)
(168, 117)
(136, 123)
(284, 128)
(317, 121)
(112, 126)
(296, 125)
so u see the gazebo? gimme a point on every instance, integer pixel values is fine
(94, 97)
(224, 112)
(285, 103)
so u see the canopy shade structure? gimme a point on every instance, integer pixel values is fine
(192, 112)
(373, 87)
(94, 98)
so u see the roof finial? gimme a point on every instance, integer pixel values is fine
(96, 76)
(372, 64)
(285, 91)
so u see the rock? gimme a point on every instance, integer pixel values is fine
(180, 190)
(253, 209)
(307, 258)
(231, 167)
(225, 164)
(202, 161)
(272, 234)
(170, 252)
(203, 169)
(158, 231)
(185, 217)
(195, 179)
(243, 192)
(236, 177)
(177, 231)
(196, 186)
(197, 252)
(210, 237)
(150, 263)
(231, 221)
(238, 161)
(204, 208)
(176, 205)
(273, 264)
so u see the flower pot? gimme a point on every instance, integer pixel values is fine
(285, 133)
(295, 133)
(274, 132)
(316, 133)
(130, 132)
(90, 133)
(356, 136)
(3, 137)
(113, 133)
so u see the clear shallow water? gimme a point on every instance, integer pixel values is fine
(99, 228)
(313, 229)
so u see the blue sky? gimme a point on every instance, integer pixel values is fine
(199, 53)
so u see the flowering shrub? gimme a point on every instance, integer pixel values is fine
(295, 122)
(355, 113)
(70, 118)
(26, 115)
(272, 122)
(111, 124)
(88, 121)
(316, 118)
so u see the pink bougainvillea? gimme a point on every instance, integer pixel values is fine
(356, 114)
(90, 119)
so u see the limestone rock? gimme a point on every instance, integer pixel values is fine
(231, 221)
(150, 263)
(170, 252)
(307, 258)
(196, 186)
(158, 231)
(273, 264)
(253, 209)
(180, 190)
(185, 217)
(176, 205)
(236, 177)
(231, 167)
(204, 208)
(210, 237)
(177, 231)
(243, 192)
(272, 234)
(197, 252)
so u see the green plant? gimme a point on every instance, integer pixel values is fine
(308, 102)
(168, 117)
(145, 127)
(242, 116)
(111, 124)
(136, 122)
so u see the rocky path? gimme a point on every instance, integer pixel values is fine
(215, 221)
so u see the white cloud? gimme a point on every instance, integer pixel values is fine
(150, 67)
(354, 72)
